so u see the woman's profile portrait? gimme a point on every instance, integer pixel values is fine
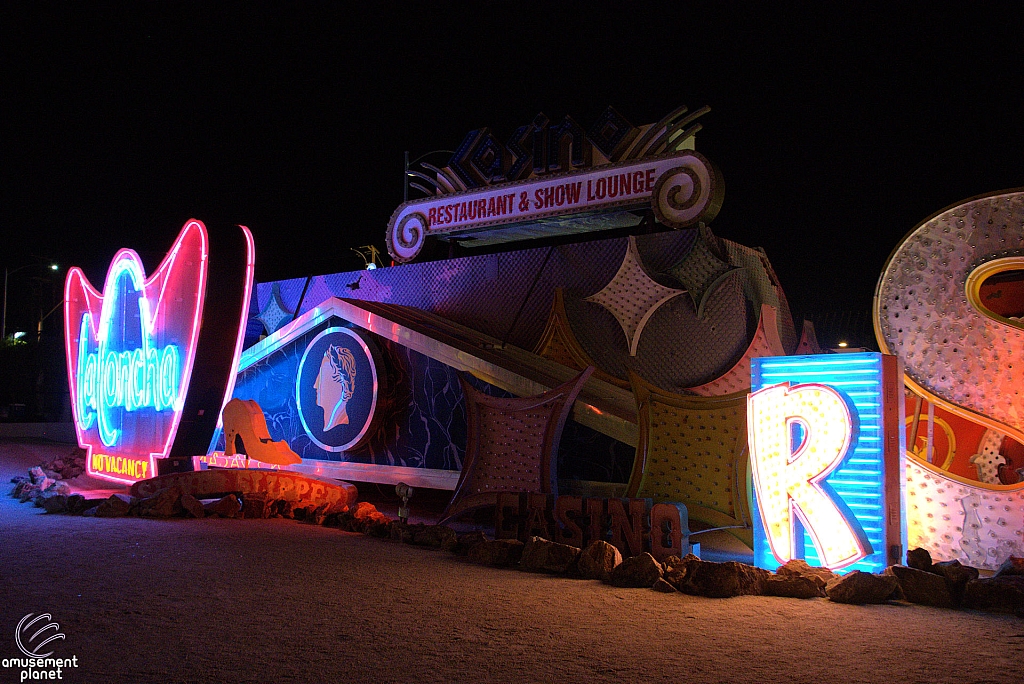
(335, 385)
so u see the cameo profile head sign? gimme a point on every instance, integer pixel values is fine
(336, 388)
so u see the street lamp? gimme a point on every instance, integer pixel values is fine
(7, 274)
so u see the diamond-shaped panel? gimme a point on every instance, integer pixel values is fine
(632, 296)
(511, 444)
(692, 450)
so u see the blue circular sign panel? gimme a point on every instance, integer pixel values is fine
(336, 389)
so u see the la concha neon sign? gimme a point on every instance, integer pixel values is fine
(132, 350)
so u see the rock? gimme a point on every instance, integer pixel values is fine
(920, 586)
(861, 587)
(19, 486)
(957, 576)
(75, 504)
(723, 580)
(919, 559)
(283, 508)
(793, 586)
(672, 561)
(680, 571)
(116, 506)
(379, 529)
(226, 506)
(363, 510)
(45, 483)
(1011, 566)
(897, 593)
(398, 530)
(640, 572)
(408, 532)
(165, 503)
(82, 507)
(319, 514)
(500, 553)
(58, 488)
(598, 560)
(464, 542)
(663, 586)
(435, 536)
(800, 568)
(374, 520)
(52, 474)
(54, 503)
(1003, 594)
(192, 506)
(29, 492)
(300, 512)
(369, 521)
(541, 555)
(255, 505)
(36, 474)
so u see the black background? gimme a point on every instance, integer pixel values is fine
(836, 130)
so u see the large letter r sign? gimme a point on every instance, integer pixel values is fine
(789, 479)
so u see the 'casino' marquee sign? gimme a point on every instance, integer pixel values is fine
(546, 175)
(150, 359)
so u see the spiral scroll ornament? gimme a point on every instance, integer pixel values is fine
(688, 193)
(405, 237)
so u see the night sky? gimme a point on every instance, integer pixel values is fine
(835, 132)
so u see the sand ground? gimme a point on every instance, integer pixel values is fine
(278, 601)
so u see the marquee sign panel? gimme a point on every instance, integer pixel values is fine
(559, 179)
(681, 189)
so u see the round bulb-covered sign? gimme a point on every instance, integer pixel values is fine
(336, 389)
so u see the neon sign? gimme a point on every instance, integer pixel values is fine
(824, 438)
(132, 379)
(131, 350)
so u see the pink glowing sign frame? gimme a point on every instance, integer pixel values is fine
(131, 350)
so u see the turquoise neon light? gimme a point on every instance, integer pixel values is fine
(857, 484)
(127, 379)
